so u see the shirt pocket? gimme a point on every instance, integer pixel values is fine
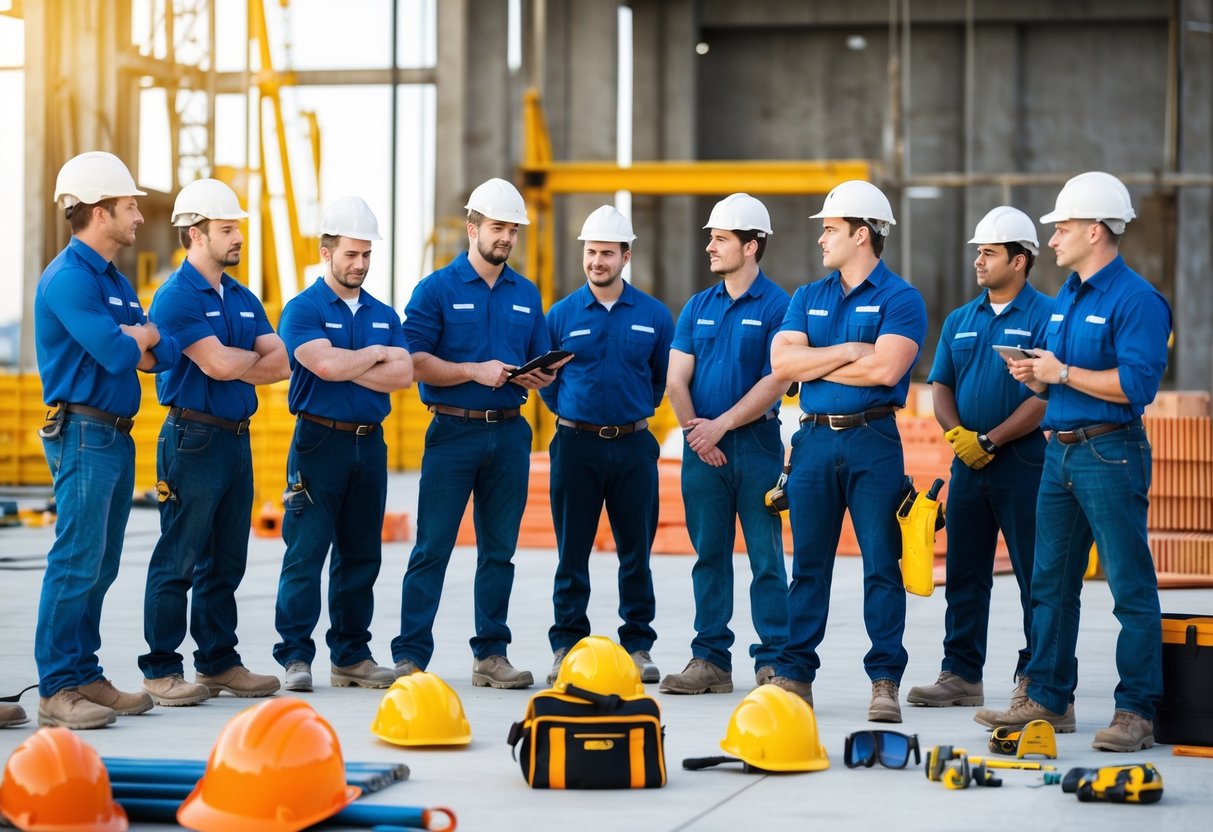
(464, 330)
(377, 333)
(863, 327)
(963, 350)
(244, 329)
(752, 344)
(638, 343)
(704, 336)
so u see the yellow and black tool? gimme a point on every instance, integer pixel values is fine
(1037, 737)
(920, 517)
(1136, 783)
(938, 758)
(777, 498)
(1011, 764)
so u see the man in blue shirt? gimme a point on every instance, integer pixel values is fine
(727, 401)
(203, 461)
(1106, 351)
(851, 339)
(348, 354)
(602, 450)
(468, 325)
(91, 336)
(993, 425)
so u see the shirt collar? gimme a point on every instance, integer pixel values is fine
(1100, 281)
(877, 277)
(89, 255)
(755, 290)
(586, 297)
(194, 278)
(465, 272)
(1020, 301)
(327, 295)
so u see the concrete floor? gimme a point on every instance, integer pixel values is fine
(484, 785)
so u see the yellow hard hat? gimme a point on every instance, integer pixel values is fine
(775, 730)
(601, 666)
(421, 709)
(56, 782)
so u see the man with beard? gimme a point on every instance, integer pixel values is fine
(203, 460)
(348, 354)
(602, 450)
(467, 325)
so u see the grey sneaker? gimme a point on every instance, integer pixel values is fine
(949, 689)
(240, 681)
(102, 692)
(698, 676)
(497, 672)
(68, 709)
(1021, 713)
(12, 714)
(644, 663)
(557, 659)
(802, 689)
(1020, 694)
(884, 706)
(764, 675)
(365, 674)
(406, 667)
(173, 691)
(298, 677)
(1128, 732)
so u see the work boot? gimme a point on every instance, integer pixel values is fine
(239, 681)
(1020, 693)
(764, 675)
(644, 664)
(365, 674)
(802, 689)
(68, 709)
(698, 676)
(557, 660)
(884, 706)
(172, 691)
(12, 714)
(497, 672)
(1128, 732)
(102, 692)
(1021, 713)
(298, 677)
(406, 667)
(949, 689)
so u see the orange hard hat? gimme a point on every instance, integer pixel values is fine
(276, 767)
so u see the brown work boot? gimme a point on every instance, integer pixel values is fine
(645, 667)
(949, 689)
(66, 708)
(239, 681)
(1020, 694)
(698, 676)
(497, 672)
(103, 692)
(802, 689)
(1128, 732)
(764, 675)
(1021, 713)
(557, 660)
(406, 667)
(884, 706)
(173, 691)
(12, 714)
(364, 674)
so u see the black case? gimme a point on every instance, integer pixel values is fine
(1185, 712)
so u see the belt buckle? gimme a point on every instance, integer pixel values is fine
(363, 430)
(491, 416)
(602, 431)
(242, 427)
(842, 424)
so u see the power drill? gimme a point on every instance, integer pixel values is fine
(1136, 783)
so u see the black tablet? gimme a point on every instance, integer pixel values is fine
(541, 363)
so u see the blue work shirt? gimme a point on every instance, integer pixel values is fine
(618, 373)
(455, 316)
(1115, 318)
(188, 306)
(883, 304)
(317, 313)
(83, 357)
(731, 341)
(986, 394)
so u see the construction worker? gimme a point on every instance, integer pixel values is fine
(851, 339)
(203, 462)
(1106, 349)
(602, 450)
(347, 354)
(468, 324)
(727, 401)
(91, 336)
(992, 423)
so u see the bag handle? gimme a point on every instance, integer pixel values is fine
(700, 763)
(611, 702)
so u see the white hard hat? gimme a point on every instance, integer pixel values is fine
(350, 217)
(206, 199)
(607, 225)
(861, 200)
(92, 177)
(740, 212)
(498, 200)
(1005, 224)
(1094, 195)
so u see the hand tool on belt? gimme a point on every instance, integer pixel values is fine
(920, 517)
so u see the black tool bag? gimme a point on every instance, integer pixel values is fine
(1185, 712)
(583, 740)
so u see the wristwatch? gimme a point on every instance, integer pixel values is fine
(987, 444)
(1064, 376)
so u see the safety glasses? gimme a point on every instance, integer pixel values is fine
(891, 748)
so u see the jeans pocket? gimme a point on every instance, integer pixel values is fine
(193, 438)
(309, 436)
(96, 436)
(1115, 451)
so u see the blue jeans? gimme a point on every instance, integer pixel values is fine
(490, 462)
(586, 472)
(203, 546)
(980, 503)
(715, 498)
(1096, 489)
(345, 476)
(93, 468)
(860, 469)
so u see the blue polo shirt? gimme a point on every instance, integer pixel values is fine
(986, 394)
(618, 374)
(455, 316)
(883, 304)
(1113, 319)
(731, 341)
(83, 357)
(188, 306)
(318, 313)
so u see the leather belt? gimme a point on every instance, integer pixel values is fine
(605, 431)
(120, 423)
(207, 419)
(847, 420)
(356, 428)
(489, 416)
(1073, 437)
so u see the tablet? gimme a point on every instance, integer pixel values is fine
(1014, 353)
(541, 363)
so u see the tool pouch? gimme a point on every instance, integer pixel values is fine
(1185, 712)
(54, 422)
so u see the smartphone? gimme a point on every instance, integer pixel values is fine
(1014, 353)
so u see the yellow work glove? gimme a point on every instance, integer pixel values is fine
(964, 443)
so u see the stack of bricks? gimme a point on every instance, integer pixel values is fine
(1180, 517)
